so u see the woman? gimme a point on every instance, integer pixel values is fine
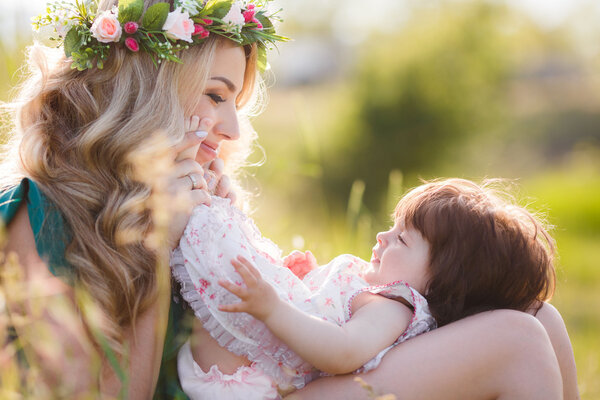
(81, 218)
(78, 131)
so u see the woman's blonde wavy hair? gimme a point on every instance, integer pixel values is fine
(74, 133)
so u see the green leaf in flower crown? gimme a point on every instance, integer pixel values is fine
(261, 58)
(130, 10)
(266, 23)
(216, 8)
(155, 16)
(72, 41)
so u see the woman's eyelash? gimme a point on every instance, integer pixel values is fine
(216, 98)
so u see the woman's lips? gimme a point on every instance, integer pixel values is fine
(210, 149)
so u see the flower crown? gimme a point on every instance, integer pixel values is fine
(87, 34)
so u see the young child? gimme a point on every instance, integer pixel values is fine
(461, 245)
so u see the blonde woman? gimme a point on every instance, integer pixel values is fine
(76, 214)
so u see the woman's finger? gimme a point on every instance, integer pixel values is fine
(211, 180)
(188, 147)
(223, 187)
(192, 123)
(201, 197)
(231, 196)
(192, 181)
(186, 167)
(195, 128)
(217, 166)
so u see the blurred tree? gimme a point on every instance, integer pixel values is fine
(422, 92)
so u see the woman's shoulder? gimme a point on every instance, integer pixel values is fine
(11, 198)
(50, 233)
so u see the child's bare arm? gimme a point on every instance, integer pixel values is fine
(376, 324)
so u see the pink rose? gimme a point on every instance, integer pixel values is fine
(132, 44)
(207, 21)
(198, 29)
(201, 31)
(106, 27)
(300, 263)
(179, 26)
(130, 27)
(249, 15)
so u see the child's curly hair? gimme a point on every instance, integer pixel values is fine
(486, 253)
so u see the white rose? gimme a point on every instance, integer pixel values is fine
(45, 34)
(179, 26)
(106, 27)
(235, 16)
(64, 22)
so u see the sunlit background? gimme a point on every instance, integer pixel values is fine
(372, 96)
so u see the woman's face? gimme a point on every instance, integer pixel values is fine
(218, 102)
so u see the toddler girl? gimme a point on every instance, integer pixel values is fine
(458, 243)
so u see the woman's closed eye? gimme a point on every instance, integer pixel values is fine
(216, 98)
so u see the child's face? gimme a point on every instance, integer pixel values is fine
(401, 254)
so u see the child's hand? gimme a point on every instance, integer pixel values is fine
(300, 263)
(258, 298)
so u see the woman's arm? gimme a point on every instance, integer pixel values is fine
(56, 341)
(555, 326)
(377, 322)
(500, 354)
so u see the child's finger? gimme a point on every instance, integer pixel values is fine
(236, 307)
(242, 269)
(231, 287)
(250, 267)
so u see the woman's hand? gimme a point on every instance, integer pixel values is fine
(187, 184)
(218, 183)
(258, 298)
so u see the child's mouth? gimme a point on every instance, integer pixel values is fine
(374, 258)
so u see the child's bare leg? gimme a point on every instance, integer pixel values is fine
(494, 355)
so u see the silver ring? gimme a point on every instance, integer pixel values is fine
(193, 180)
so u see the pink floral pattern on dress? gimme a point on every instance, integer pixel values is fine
(204, 257)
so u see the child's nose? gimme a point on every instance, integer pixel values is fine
(380, 238)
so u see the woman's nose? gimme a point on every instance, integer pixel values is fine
(229, 126)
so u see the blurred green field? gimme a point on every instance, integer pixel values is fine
(292, 208)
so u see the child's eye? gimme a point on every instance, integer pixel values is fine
(402, 240)
(216, 98)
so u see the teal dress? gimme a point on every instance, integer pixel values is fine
(52, 235)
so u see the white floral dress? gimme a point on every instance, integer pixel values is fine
(217, 234)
